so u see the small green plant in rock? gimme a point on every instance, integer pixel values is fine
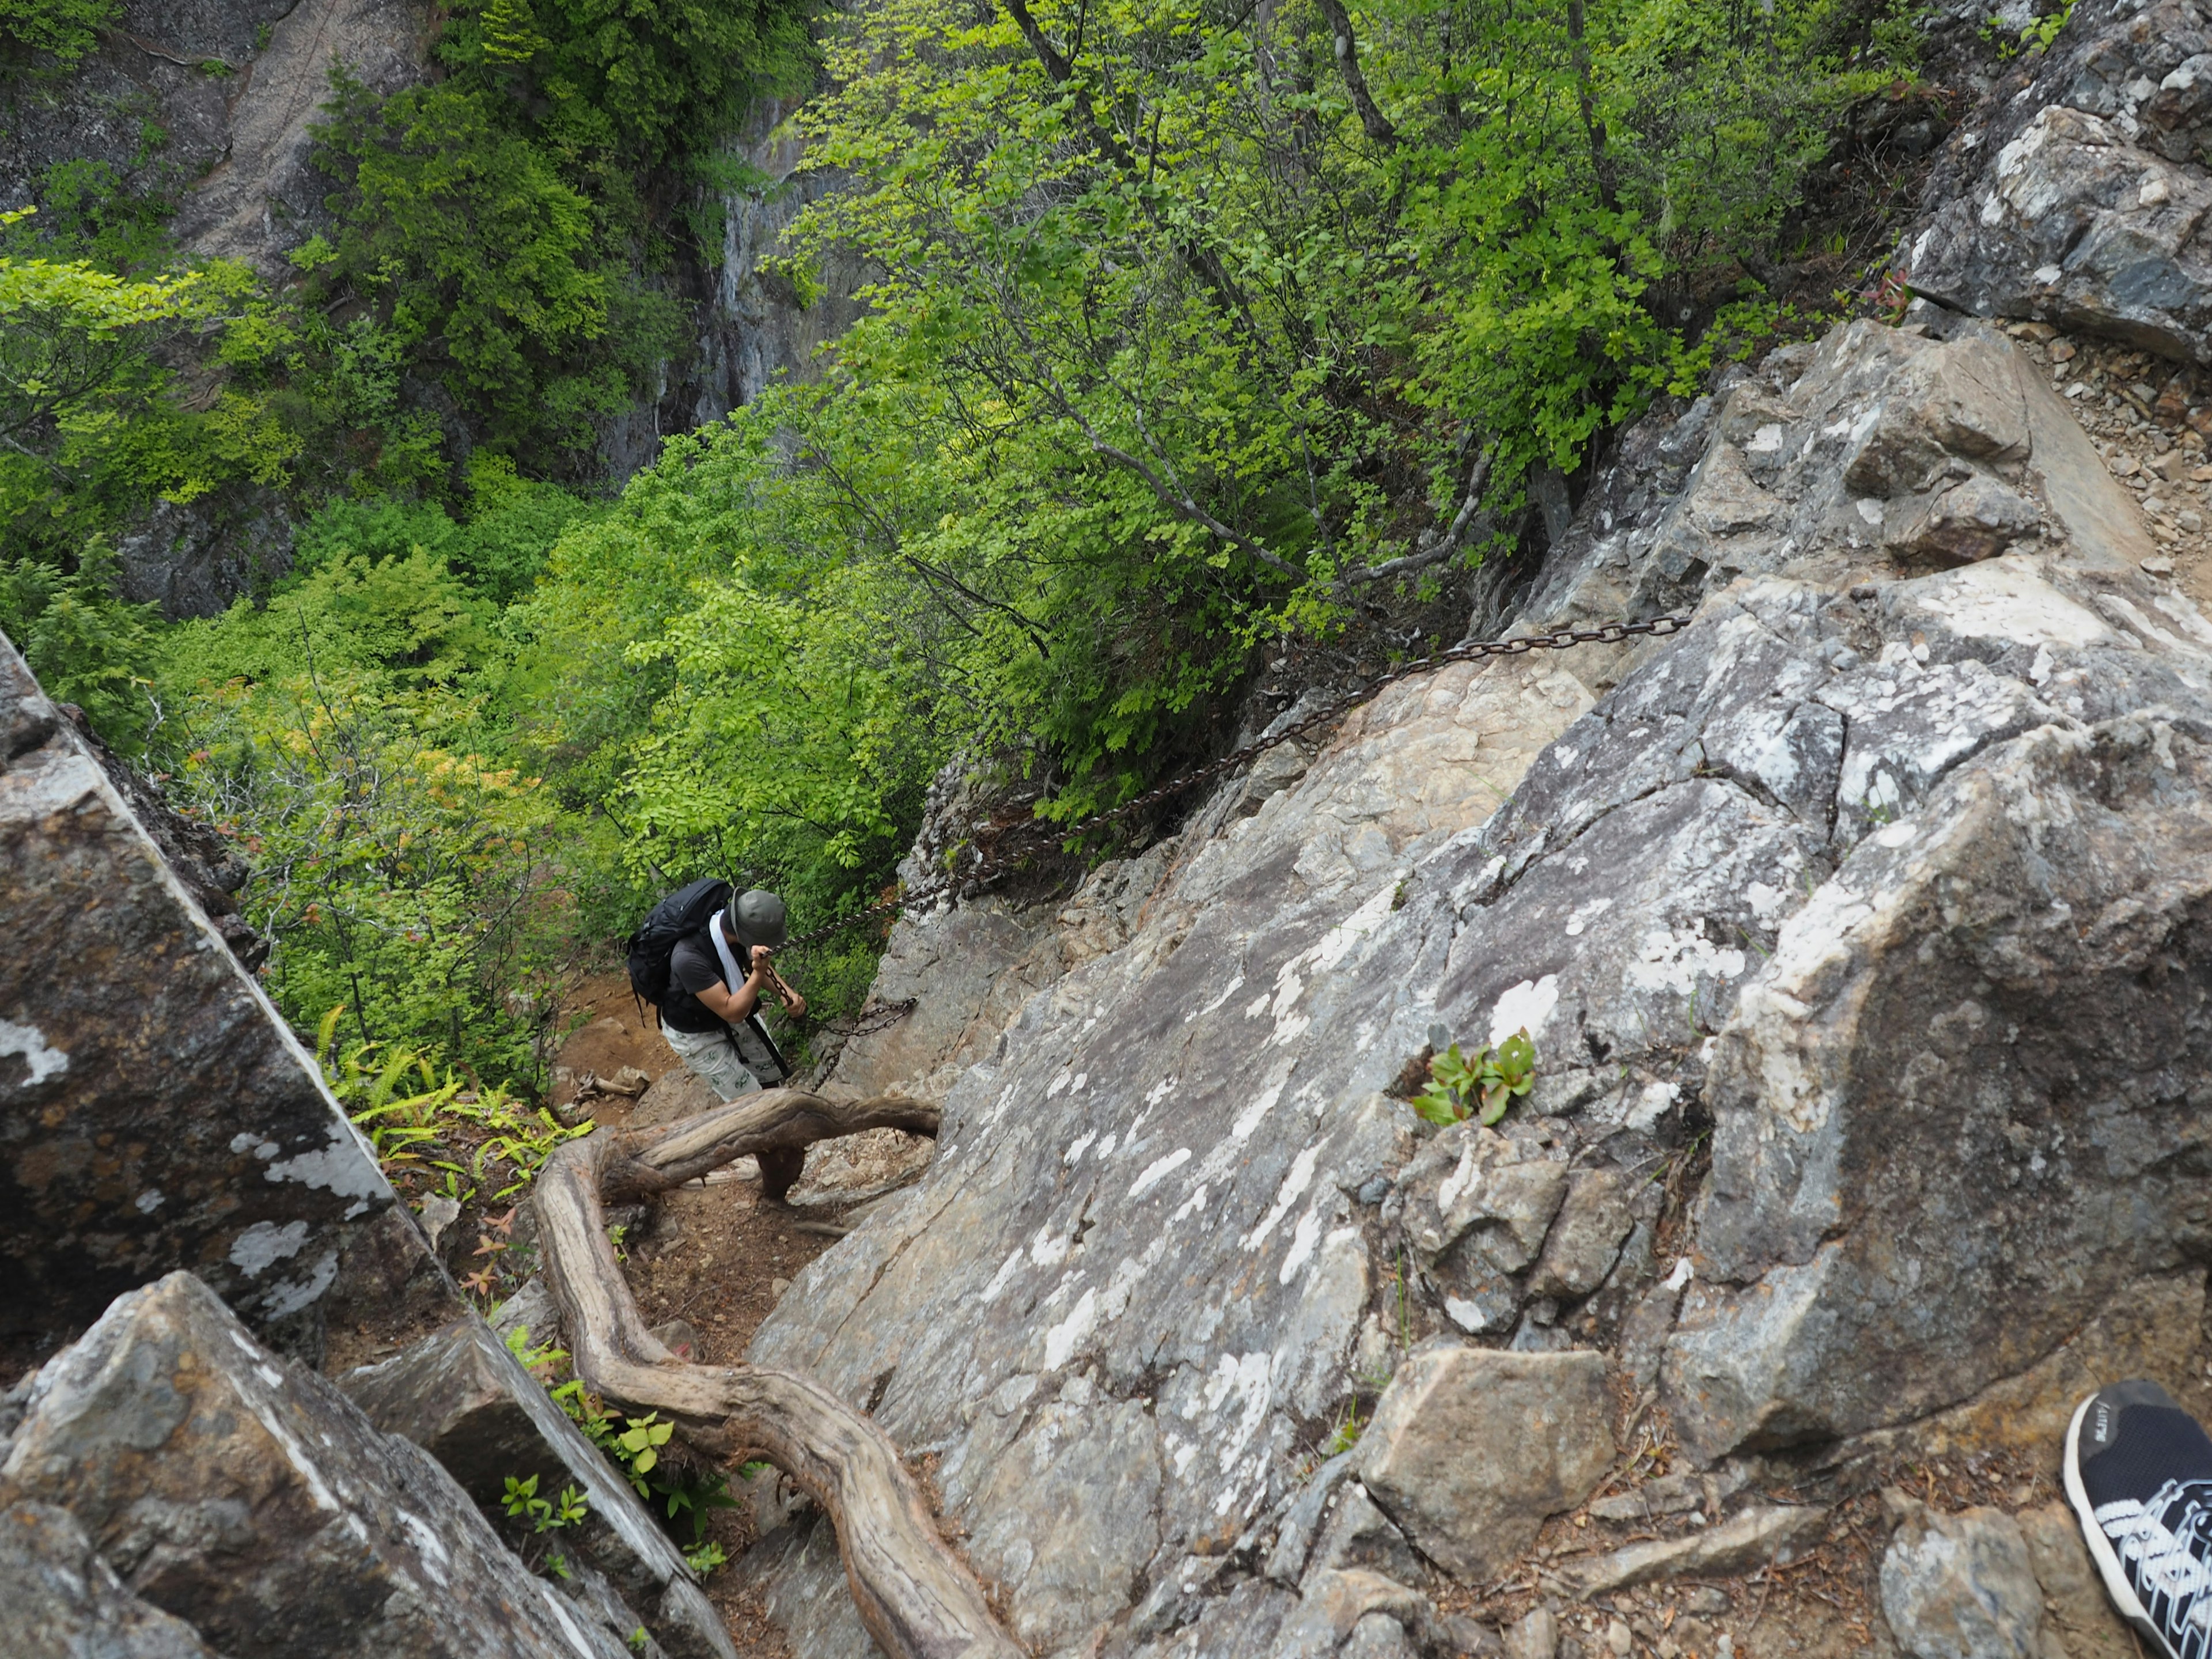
(540, 1363)
(544, 1514)
(1347, 1434)
(1483, 1086)
(638, 1445)
(705, 1558)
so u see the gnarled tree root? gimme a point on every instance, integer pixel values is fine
(918, 1600)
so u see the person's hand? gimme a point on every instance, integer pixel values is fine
(796, 1006)
(761, 954)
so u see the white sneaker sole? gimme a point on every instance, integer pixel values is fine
(2100, 1548)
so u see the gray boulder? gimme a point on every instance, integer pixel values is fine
(1962, 1586)
(65, 1602)
(253, 1175)
(462, 1397)
(1177, 1222)
(246, 1497)
(1471, 1449)
(2076, 196)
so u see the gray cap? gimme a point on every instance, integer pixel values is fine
(757, 917)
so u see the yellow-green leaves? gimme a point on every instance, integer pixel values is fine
(1481, 1086)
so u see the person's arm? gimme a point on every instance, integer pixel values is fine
(735, 1006)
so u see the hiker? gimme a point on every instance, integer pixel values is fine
(710, 991)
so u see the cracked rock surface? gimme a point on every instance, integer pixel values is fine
(1890, 873)
(250, 1499)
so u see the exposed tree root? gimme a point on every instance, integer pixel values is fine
(918, 1600)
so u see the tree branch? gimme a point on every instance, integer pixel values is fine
(1371, 118)
(916, 1597)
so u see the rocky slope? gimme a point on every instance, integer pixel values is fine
(1881, 888)
(1859, 927)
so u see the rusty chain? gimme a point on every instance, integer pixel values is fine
(995, 864)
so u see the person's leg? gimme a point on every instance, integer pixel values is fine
(2138, 1472)
(713, 1059)
(779, 1170)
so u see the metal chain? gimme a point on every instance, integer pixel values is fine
(995, 863)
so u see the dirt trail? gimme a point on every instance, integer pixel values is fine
(714, 1255)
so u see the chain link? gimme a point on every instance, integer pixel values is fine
(999, 858)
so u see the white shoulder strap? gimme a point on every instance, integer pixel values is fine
(730, 972)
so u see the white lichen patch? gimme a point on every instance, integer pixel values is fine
(1674, 959)
(1526, 1006)
(1292, 1189)
(341, 1168)
(43, 1061)
(265, 1243)
(2005, 599)
(1158, 1170)
(1062, 1340)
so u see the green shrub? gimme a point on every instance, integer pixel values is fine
(67, 28)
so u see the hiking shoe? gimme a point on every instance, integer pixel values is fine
(2139, 1475)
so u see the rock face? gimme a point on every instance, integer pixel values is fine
(156, 1110)
(1891, 869)
(2089, 213)
(461, 1396)
(1962, 1587)
(250, 1499)
(1471, 1449)
(62, 1599)
(232, 85)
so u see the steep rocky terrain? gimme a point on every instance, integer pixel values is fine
(1880, 888)
(1858, 926)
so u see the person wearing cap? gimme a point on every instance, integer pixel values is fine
(711, 1016)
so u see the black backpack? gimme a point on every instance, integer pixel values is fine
(683, 913)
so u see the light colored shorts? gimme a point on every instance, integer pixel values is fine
(711, 1057)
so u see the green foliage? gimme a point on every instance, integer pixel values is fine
(645, 79)
(442, 1137)
(1346, 1435)
(522, 1503)
(1483, 1086)
(541, 1362)
(482, 262)
(638, 1445)
(85, 645)
(91, 210)
(2033, 38)
(66, 29)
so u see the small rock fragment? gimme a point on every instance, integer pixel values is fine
(678, 1336)
(1975, 519)
(2159, 565)
(1960, 1586)
(2073, 1599)
(1471, 1449)
(1757, 1536)
(1536, 1636)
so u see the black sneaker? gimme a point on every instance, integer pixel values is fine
(2139, 1475)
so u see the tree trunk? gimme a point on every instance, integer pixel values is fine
(917, 1598)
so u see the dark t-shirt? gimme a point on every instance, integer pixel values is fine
(693, 967)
